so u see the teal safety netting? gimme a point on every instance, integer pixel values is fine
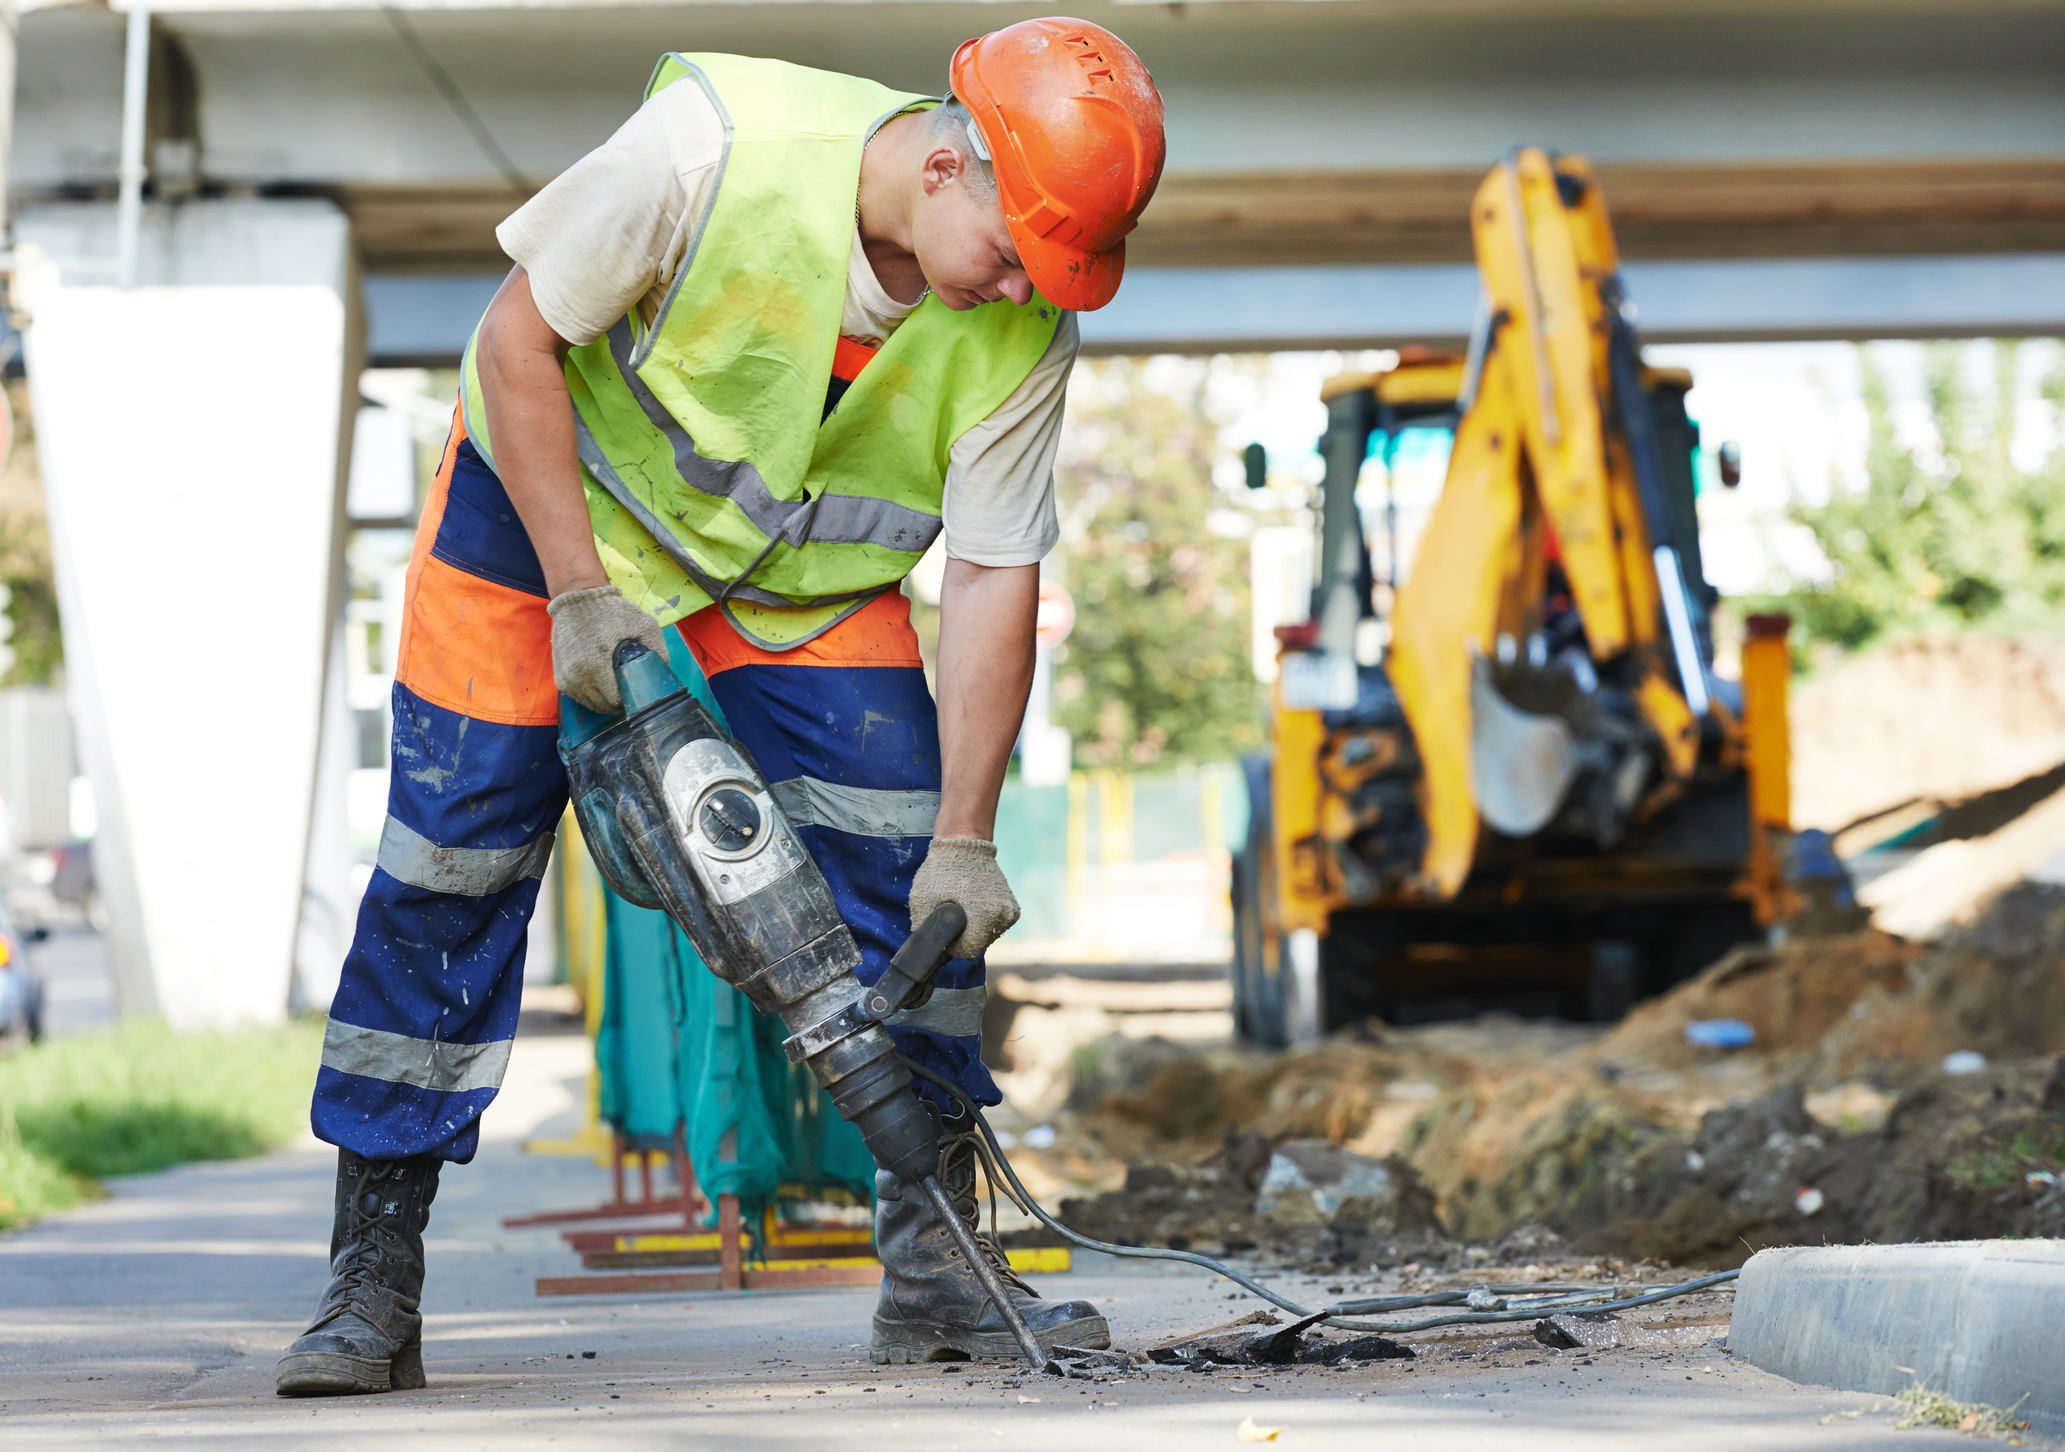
(676, 1045)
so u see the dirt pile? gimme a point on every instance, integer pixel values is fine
(1997, 987)
(1951, 880)
(1831, 1008)
(1839, 1123)
(1943, 717)
(1792, 997)
(1975, 1156)
(1305, 1202)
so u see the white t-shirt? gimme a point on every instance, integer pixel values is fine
(609, 234)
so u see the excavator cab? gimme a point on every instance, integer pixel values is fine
(1510, 776)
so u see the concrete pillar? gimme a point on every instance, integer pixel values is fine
(192, 455)
(10, 26)
(329, 905)
(36, 766)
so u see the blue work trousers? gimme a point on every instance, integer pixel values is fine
(843, 728)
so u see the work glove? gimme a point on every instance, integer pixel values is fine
(587, 627)
(964, 870)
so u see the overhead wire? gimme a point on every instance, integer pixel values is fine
(456, 99)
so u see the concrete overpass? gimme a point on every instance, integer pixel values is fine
(1339, 139)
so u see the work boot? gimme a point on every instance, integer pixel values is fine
(932, 1307)
(367, 1335)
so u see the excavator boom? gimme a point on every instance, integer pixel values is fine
(1542, 751)
(1543, 452)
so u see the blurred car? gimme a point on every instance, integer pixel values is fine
(72, 879)
(21, 987)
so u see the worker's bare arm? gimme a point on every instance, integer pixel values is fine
(985, 670)
(531, 423)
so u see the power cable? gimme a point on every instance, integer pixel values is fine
(456, 99)
(1487, 1303)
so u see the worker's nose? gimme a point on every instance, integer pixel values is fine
(1017, 287)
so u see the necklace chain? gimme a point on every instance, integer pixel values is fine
(857, 180)
(856, 208)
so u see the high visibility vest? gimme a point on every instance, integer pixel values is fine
(712, 470)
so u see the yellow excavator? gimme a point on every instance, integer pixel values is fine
(1522, 785)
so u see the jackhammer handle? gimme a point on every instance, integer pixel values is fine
(932, 944)
(908, 982)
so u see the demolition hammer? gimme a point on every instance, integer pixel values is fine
(679, 819)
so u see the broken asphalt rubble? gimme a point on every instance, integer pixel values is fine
(1296, 1344)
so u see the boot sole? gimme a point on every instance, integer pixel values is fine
(327, 1374)
(903, 1343)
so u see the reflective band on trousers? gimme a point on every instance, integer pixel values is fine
(955, 1012)
(408, 856)
(447, 1068)
(863, 811)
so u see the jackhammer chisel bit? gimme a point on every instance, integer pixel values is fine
(908, 984)
(992, 1283)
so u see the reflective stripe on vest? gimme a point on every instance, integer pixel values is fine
(828, 519)
(598, 465)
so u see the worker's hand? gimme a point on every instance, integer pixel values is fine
(964, 870)
(587, 627)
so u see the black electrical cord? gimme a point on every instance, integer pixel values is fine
(1509, 1305)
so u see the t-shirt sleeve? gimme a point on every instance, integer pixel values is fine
(999, 507)
(614, 226)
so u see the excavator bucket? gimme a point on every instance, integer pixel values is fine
(1521, 764)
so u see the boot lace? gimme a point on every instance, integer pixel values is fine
(362, 1250)
(960, 1143)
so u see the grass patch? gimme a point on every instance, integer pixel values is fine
(1990, 1165)
(1927, 1408)
(138, 1098)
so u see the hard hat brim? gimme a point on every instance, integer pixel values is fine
(1067, 276)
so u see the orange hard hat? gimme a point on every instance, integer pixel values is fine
(1073, 125)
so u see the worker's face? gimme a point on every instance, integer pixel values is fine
(964, 249)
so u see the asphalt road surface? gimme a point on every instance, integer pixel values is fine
(158, 1313)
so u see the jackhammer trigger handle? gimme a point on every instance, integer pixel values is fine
(932, 944)
(908, 983)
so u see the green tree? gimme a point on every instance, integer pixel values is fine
(1949, 536)
(25, 567)
(1157, 669)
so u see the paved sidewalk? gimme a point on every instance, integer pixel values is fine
(158, 1313)
(78, 994)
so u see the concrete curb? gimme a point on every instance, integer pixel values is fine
(1979, 1320)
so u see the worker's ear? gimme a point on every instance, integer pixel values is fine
(943, 166)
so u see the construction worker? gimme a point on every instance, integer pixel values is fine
(709, 404)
